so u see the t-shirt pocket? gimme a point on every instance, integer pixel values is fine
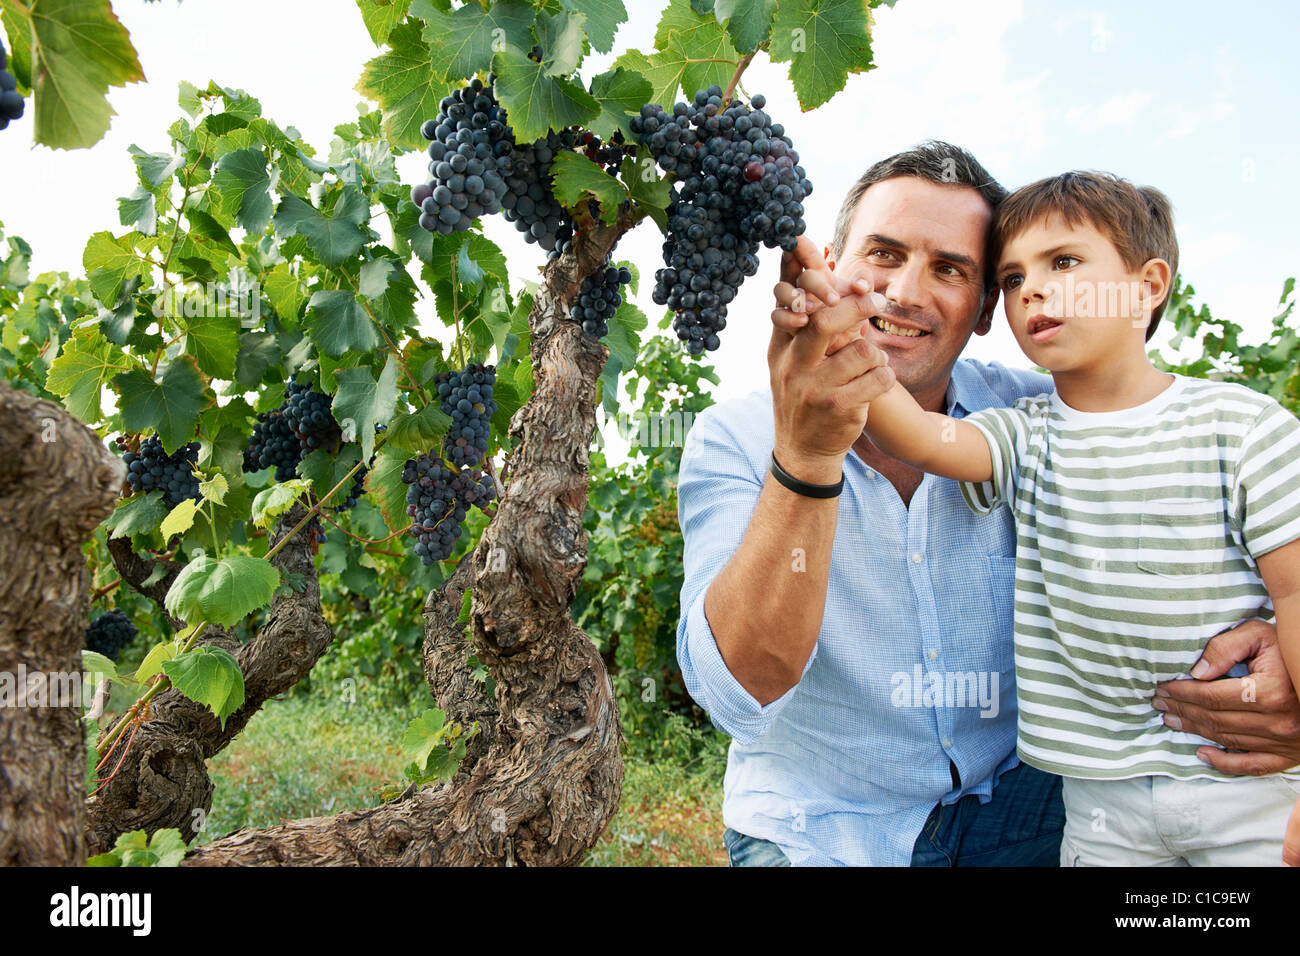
(1178, 537)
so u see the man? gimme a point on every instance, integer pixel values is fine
(859, 652)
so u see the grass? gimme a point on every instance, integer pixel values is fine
(305, 756)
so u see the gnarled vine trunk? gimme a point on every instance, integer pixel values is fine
(57, 482)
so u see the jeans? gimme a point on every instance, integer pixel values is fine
(1021, 826)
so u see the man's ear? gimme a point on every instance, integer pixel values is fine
(828, 253)
(985, 323)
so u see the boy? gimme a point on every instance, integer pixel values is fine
(1147, 505)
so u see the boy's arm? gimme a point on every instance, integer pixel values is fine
(936, 443)
(1280, 569)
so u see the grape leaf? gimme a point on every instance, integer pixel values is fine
(154, 168)
(180, 519)
(423, 734)
(207, 233)
(619, 93)
(575, 176)
(211, 676)
(169, 406)
(214, 343)
(406, 84)
(138, 211)
(386, 488)
(325, 471)
(406, 226)
(662, 69)
(333, 238)
(139, 514)
(479, 256)
(336, 322)
(284, 290)
(381, 16)
(825, 41)
(646, 187)
(272, 502)
(79, 49)
(603, 19)
(110, 261)
(562, 39)
(417, 432)
(462, 42)
(537, 102)
(748, 21)
(83, 368)
(221, 591)
(19, 29)
(215, 489)
(679, 19)
(153, 661)
(243, 182)
(363, 402)
(258, 351)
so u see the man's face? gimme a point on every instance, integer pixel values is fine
(921, 244)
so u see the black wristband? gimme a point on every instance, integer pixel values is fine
(802, 487)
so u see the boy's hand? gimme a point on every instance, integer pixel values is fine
(1258, 714)
(808, 285)
(820, 400)
(1291, 847)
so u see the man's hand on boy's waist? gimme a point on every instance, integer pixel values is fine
(1258, 714)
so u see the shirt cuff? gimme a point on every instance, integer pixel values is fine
(734, 710)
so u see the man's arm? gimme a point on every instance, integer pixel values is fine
(936, 443)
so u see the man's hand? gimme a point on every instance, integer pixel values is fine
(807, 285)
(1258, 714)
(820, 400)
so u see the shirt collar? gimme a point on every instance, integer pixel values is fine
(968, 391)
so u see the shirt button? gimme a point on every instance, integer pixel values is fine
(934, 654)
(916, 557)
(947, 743)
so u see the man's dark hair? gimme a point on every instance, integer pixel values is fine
(1138, 220)
(934, 161)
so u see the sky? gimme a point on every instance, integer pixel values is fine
(1189, 97)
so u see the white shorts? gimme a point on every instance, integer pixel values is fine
(1160, 821)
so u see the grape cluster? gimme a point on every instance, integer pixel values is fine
(738, 186)
(529, 201)
(109, 633)
(600, 297)
(608, 155)
(11, 104)
(152, 469)
(467, 398)
(437, 501)
(469, 140)
(282, 438)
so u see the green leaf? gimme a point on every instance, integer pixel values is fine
(138, 211)
(623, 340)
(284, 290)
(386, 488)
(258, 351)
(215, 489)
(647, 189)
(180, 519)
(480, 256)
(167, 846)
(423, 734)
(207, 233)
(244, 185)
(211, 676)
(603, 19)
(417, 432)
(221, 591)
(272, 502)
(406, 84)
(575, 177)
(214, 343)
(381, 16)
(679, 20)
(139, 514)
(18, 26)
(561, 37)
(111, 261)
(326, 471)
(169, 406)
(620, 93)
(153, 662)
(361, 402)
(825, 41)
(154, 168)
(83, 368)
(333, 239)
(748, 21)
(537, 102)
(462, 42)
(337, 323)
(79, 49)
(94, 663)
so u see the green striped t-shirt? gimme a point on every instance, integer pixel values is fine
(1137, 532)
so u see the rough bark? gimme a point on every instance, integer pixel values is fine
(164, 781)
(549, 779)
(135, 570)
(57, 483)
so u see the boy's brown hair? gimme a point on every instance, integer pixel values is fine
(1138, 221)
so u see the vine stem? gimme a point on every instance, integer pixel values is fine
(164, 682)
(735, 77)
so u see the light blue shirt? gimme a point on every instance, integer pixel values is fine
(913, 664)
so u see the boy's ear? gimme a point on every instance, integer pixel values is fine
(985, 322)
(1155, 281)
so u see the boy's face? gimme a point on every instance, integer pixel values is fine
(1071, 301)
